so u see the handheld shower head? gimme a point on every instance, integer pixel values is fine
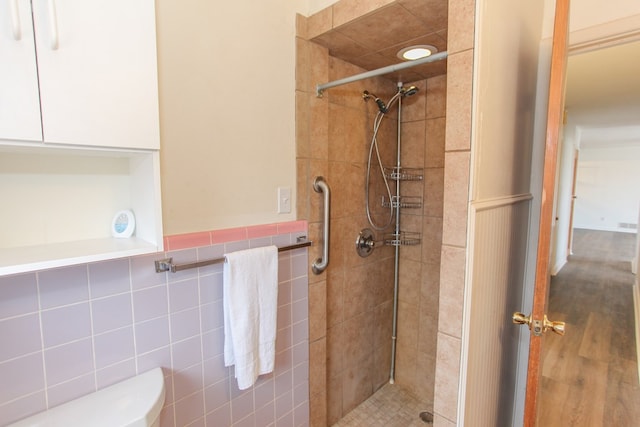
(408, 91)
(366, 95)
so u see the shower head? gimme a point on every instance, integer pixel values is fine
(366, 95)
(408, 91)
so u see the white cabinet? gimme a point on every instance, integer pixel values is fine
(96, 72)
(19, 97)
(79, 131)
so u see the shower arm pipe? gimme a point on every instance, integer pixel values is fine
(321, 186)
(380, 71)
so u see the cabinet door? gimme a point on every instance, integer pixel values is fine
(19, 102)
(97, 72)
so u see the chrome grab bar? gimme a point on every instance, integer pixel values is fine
(321, 186)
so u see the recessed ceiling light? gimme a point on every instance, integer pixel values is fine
(416, 52)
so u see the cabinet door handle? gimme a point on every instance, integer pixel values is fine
(15, 20)
(53, 25)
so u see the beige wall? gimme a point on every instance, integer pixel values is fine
(226, 77)
(586, 14)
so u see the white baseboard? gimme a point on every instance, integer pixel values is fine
(558, 266)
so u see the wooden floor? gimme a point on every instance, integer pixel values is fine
(590, 376)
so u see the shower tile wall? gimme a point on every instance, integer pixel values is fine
(69, 331)
(351, 303)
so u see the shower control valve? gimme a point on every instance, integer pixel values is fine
(365, 242)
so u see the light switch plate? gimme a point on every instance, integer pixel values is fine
(284, 200)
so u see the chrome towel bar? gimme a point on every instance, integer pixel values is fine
(167, 264)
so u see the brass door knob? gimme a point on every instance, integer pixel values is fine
(521, 318)
(536, 326)
(557, 327)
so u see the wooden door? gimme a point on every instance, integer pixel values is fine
(554, 124)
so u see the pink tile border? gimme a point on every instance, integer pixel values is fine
(205, 238)
(189, 240)
(292, 226)
(257, 231)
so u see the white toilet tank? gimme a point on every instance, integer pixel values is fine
(135, 402)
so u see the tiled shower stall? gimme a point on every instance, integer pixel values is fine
(351, 324)
(351, 303)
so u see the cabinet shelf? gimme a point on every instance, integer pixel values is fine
(30, 258)
(58, 204)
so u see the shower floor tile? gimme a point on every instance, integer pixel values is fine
(391, 406)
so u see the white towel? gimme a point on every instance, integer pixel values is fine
(250, 302)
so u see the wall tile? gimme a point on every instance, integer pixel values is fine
(229, 235)
(211, 287)
(109, 277)
(301, 414)
(143, 273)
(241, 406)
(24, 375)
(189, 409)
(68, 361)
(152, 334)
(212, 316)
(63, 286)
(190, 240)
(317, 311)
(347, 10)
(185, 324)
(265, 415)
(186, 353)
(24, 335)
(71, 390)
(435, 144)
(159, 357)
(320, 22)
(23, 407)
(456, 198)
(183, 295)
(217, 395)
(436, 97)
(113, 347)
(451, 299)
(150, 303)
(357, 384)
(447, 376)
(187, 380)
(207, 253)
(459, 89)
(184, 256)
(186, 341)
(117, 373)
(65, 324)
(111, 313)
(461, 25)
(220, 416)
(18, 295)
(213, 343)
